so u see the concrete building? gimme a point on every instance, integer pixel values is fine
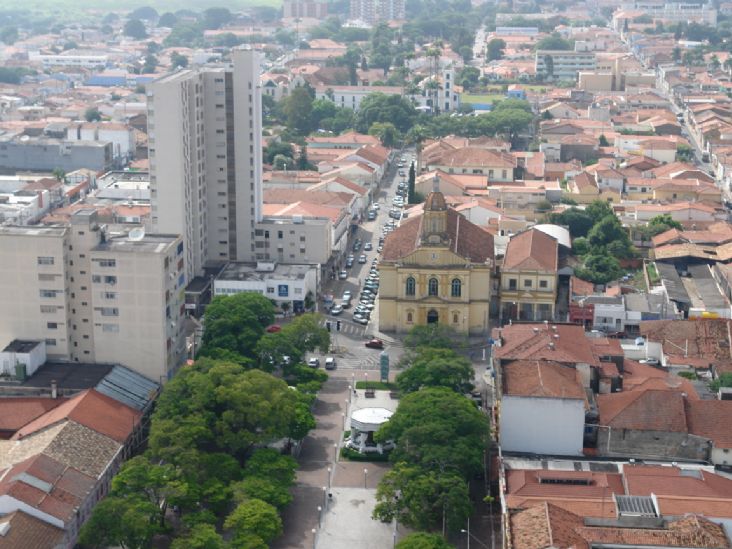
(22, 152)
(350, 97)
(94, 297)
(313, 9)
(672, 12)
(373, 11)
(564, 65)
(436, 268)
(289, 284)
(205, 150)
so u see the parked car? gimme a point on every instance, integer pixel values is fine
(374, 343)
(330, 363)
(273, 329)
(349, 263)
(336, 310)
(362, 258)
(368, 247)
(314, 362)
(358, 319)
(343, 275)
(371, 216)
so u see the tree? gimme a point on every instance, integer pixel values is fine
(437, 336)
(386, 132)
(151, 62)
(543, 206)
(423, 540)
(410, 184)
(168, 19)
(302, 160)
(123, 522)
(599, 209)
(178, 60)
(603, 142)
(379, 107)
(276, 148)
(666, 222)
(144, 12)
(423, 499)
(580, 246)
(494, 49)
(432, 367)
(92, 114)
(9, 35)
(134, 28)
(236, 322)
(579, 222)
(554, 42)
(184, 34)
(724, 380)
(298, 108)
(201, 536)
(549, 65)
(599, 269)
(254, 519)
(215, 18)
(439, 429)
(607, 230)
(684, 153)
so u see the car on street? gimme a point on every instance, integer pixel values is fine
(358, 319)
(330, 363)
(362, 258)
(371, 216)
(376, 206)
(314, 362)
(347, 295)
(273, 329)
(349, 263)
(343, 275)
(368, 247)
(374, 343)
(650, 361)
(402, 173)
(356, 246)
(336, 310)
(380, 249)
(368, 306)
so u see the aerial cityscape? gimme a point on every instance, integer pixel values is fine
(366, 274)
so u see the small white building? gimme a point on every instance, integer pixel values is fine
(281, 283)
(28, 355)
(542, 408)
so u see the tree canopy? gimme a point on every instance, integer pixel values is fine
(134, 28)
(432, 367)
(423, 540)
(379, 107)
(436, 336)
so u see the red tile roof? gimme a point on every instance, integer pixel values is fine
(645, 410)
(541, 378)
(711, 419)
(28, 532)
(17, 412)
(532, 342)
(531, 250)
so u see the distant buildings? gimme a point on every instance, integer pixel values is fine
(373, 11)
(562, 64)
(314, 9)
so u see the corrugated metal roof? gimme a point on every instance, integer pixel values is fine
(639, 506)
(672, 282)
(128, 387)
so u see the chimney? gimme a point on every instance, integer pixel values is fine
(54, 389)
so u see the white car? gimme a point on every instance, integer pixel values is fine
(343, 275)
(330, 363)
(336, 310)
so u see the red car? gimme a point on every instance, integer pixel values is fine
(374, 344)
(273, 329)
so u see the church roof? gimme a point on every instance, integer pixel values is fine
(466, 239)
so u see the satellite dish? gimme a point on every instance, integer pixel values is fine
(136, 234)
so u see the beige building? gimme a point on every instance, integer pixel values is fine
(205, 151)
(436, 268)
(529, 277)
(95, 297)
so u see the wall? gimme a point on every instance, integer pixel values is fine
(553, 426)
(722, 456)
(651, 444)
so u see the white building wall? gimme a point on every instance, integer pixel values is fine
(552, 426)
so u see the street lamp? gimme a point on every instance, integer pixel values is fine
(335, 452)
(329, 471)
(320, 517)
(314, 532)
(365, 472)
(464, 531)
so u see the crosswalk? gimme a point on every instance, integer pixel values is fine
(348, 328)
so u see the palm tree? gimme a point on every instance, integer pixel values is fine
(416, 135)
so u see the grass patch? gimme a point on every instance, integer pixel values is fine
(353, 455)
(482, 98)
(346, 434)
(688, 375)
(376, 385)
(653, 277)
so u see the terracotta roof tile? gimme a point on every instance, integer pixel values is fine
(643, 410)
(17, 412)
(531, 342)
(28, 532)
(711, 419)
(541, 378)
(531, 250)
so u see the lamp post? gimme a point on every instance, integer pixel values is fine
(464, 531)
(344, 420)
(320, 519)
(365, 473)
(329, 472)
(315, 539)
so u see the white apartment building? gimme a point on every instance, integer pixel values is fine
(84, 61)
(350, 97)
(373, 11)
(205, 150)
(564, 64)
(95, 297)
(696, 12)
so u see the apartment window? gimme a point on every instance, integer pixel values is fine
(48, 309)
(109, 295)
(46, 277)
(527, 283)
(110, 328)
(409, 317)
(490, 174)
(50, 342)
(108, 311)
(511, 283)
(543, 284)
(47, 293)
(45, 260)
(280, 235)
(456, 287)
(270, 289)
(96, 279)
(110, 280)
(107, 262)
(504, 174)
(52, 325)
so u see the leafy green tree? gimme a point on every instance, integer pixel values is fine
(664, 222)
(410, 183)
(599, 209)
(215, 18)
(144, 12)
(554, 42)
(178, 60)
(379, 107)
(278, 148)
(151, 63)
(423, 498)
(580, 246)
(9, 35)
(92, 114)
(603, 142)
(168, 19)
(437, 336)
(724, 380)
(438, 429)
(321, 109)
(432, 367)
(468, 77)
(129, 523)
(134, 28)
(386, 132)
(599, 268)
(494, 49)
(298, 108)
(607, 230)
(253, 519)
(549, 65)
(423, 540)
(684, 153)
(236, 322)
(201, 536)
(184, 34)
